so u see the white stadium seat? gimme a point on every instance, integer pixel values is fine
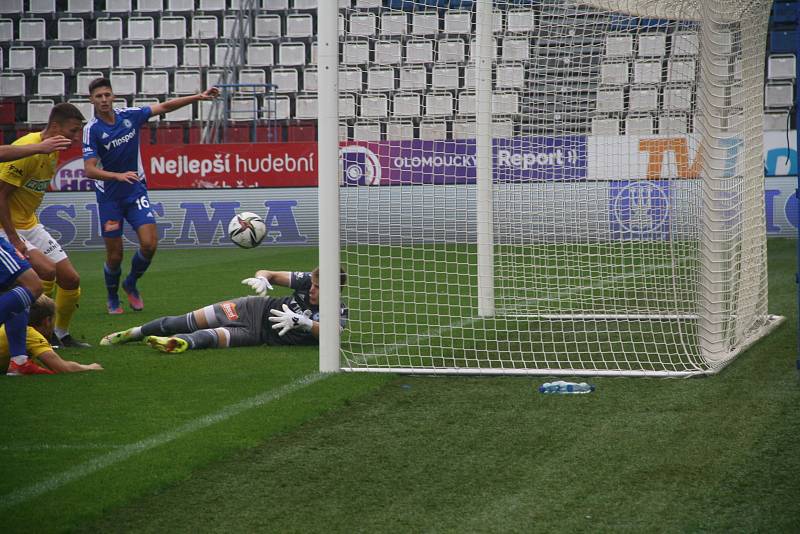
(643, 98)
(86, 108)
(510, 76)
(646, 72)
(61, 57)
(419, 51)
(196, 55)
(685, 43)
(21, 58)
(292, 54)
(367, 131)
(131, 57)
(141, 28)
(605, 125)
(433, 130)
(639, 125)
(413, 78)
(80, 6)
(305, 107)
(355, 52)
(260, 54)
(394, 24)
(155, 82)
(32, 30)
(118, 6)
(99, 57)
(287, 80)
(299, 25)
(399, 130)
(619, 45)
(257, 77)
(374, 106)
(42, 6)
(124, 82)
(164, 56)
(425, 23)
(108, 29)
(451, 51)
(310, 80)
(652, 44)
(6, 30)
(172, 28)
(406, 105)
(150, 6)
(438, 105)
(187, 81)
(70, 29)
(388, 52)
(677, 98)
(84, 78)
(12, 84)
(363, 24)
(351, 79)
(205, 27)
(230, 27)
(515, 49)
(39, 110)
(520, 21)
(457, 22)
(614, 73)
(610, 100)
(445, 77)
(673, 124)
(681, 70)
(267, 26)
(381, 79)
(50, 84)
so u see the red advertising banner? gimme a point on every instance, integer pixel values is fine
(226, 166)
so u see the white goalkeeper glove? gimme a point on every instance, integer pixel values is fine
(288, 320)
(259, 284)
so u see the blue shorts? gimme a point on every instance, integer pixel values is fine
(12, 264)
(135, 209)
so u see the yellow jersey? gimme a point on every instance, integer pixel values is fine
(31, 176)
(35, 344)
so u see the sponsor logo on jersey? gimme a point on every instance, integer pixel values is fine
(229, 308)
(127, 124)
(105, 135)
(111, 226)
(39, 186)
(121, 140)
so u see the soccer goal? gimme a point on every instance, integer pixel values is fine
(542, 187)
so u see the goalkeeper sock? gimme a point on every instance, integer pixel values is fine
(139, 265)
(66, 304)
(167, 326)
(47, 287)
(112, 280)
(202, 339)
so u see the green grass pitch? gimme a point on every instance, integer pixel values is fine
(252, 440)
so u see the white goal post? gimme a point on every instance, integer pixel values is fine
(542, 187)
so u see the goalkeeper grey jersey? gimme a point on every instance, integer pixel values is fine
(298, 303)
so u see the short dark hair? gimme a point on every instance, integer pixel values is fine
(99, 82)
(63, 112)
(42, 308)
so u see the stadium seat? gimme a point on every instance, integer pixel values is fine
(70, 29)
(451, 51)
(464, 129)
(260, 55)
(681, 70)
(124, 82)
(141, 28)
(32, 30)
(187, 82)
(388, 52)
(196, 55)
(12, 84)
(39, 110)
(505, 103)
(672, 124)
(393, 24)
(180, 5)
(301, 133)
(445, 77)
(212, 5)
(99, 57)
(310, 79)
(419, 51)
(164, 56)
(213, 77)
(279, 106)
(42, 6)
(503, 129)
(21, 58)
(776, 120)
(520, 21)
(399, 130)
(305, 107)
(143, 101)
(355, 52)
(244, 108)
(643, 98)
(85, 107)
(351, 79)
(779, 95)
(424, 23)
(118, 6)
(639, 125)
(6, 30)
(230, 27)
(13, 7)
(677, 98)
(84, 78)
(108, 29)
(413, 78)
(300, 25)
(225, 53)
(783, 41)
(291, 54)
(61, 57)
(363, 25)
(120, 102)
(150, 6)
(131, 57)
(515, 49)
(652, 44)
(80, 6)
(610, 100)
(605, 125)
(684, 43)
(465, 104)
(183, 114)
(381, 79)
(366, 131)
(276, 5)
(169, 135)
(172, 28)
(374, 106)
(438, 105)
(458, 22)
(252, 76)
(267, 27)
(155, 82)
(433, 130)
(473, 49)
(304, 4)
(50, 83)
(646, 72)
(406, 105)
(614, 73)
(781, 67)
(619, 45)
(347, 106)
(205, 27)
(510, 76)
(286, 80)
(368, 4)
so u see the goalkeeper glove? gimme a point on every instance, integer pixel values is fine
(259, 284)
(288, 320)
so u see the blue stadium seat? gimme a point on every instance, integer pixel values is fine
(782, 41)
(784, 14)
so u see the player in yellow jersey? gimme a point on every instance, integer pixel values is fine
(23, 183)
(38, 348)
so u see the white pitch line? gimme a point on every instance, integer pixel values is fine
(123, 453)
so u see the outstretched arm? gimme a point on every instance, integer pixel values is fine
(280, 278)
(51, 144)
(96, 173)
(57, 364)
(177, 103)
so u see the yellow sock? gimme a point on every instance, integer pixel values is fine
(49, 286)
(66, 304)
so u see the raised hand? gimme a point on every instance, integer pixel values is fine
(259, 284)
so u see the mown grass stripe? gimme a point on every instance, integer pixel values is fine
(123, 453)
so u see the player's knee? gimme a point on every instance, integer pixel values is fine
(223, 337)
(148, 249)
(69, 280)
(46, 271)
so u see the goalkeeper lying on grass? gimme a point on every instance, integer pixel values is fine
(241, 322)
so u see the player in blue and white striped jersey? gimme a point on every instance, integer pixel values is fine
(112, 158)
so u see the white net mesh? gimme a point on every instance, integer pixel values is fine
(623, 226)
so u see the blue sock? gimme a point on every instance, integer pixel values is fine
(139, 265)
(17, 332)
(13, 302)
(112, 280)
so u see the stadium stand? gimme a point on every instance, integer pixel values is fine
(404, 60)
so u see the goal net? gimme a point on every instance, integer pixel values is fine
(548, 187)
